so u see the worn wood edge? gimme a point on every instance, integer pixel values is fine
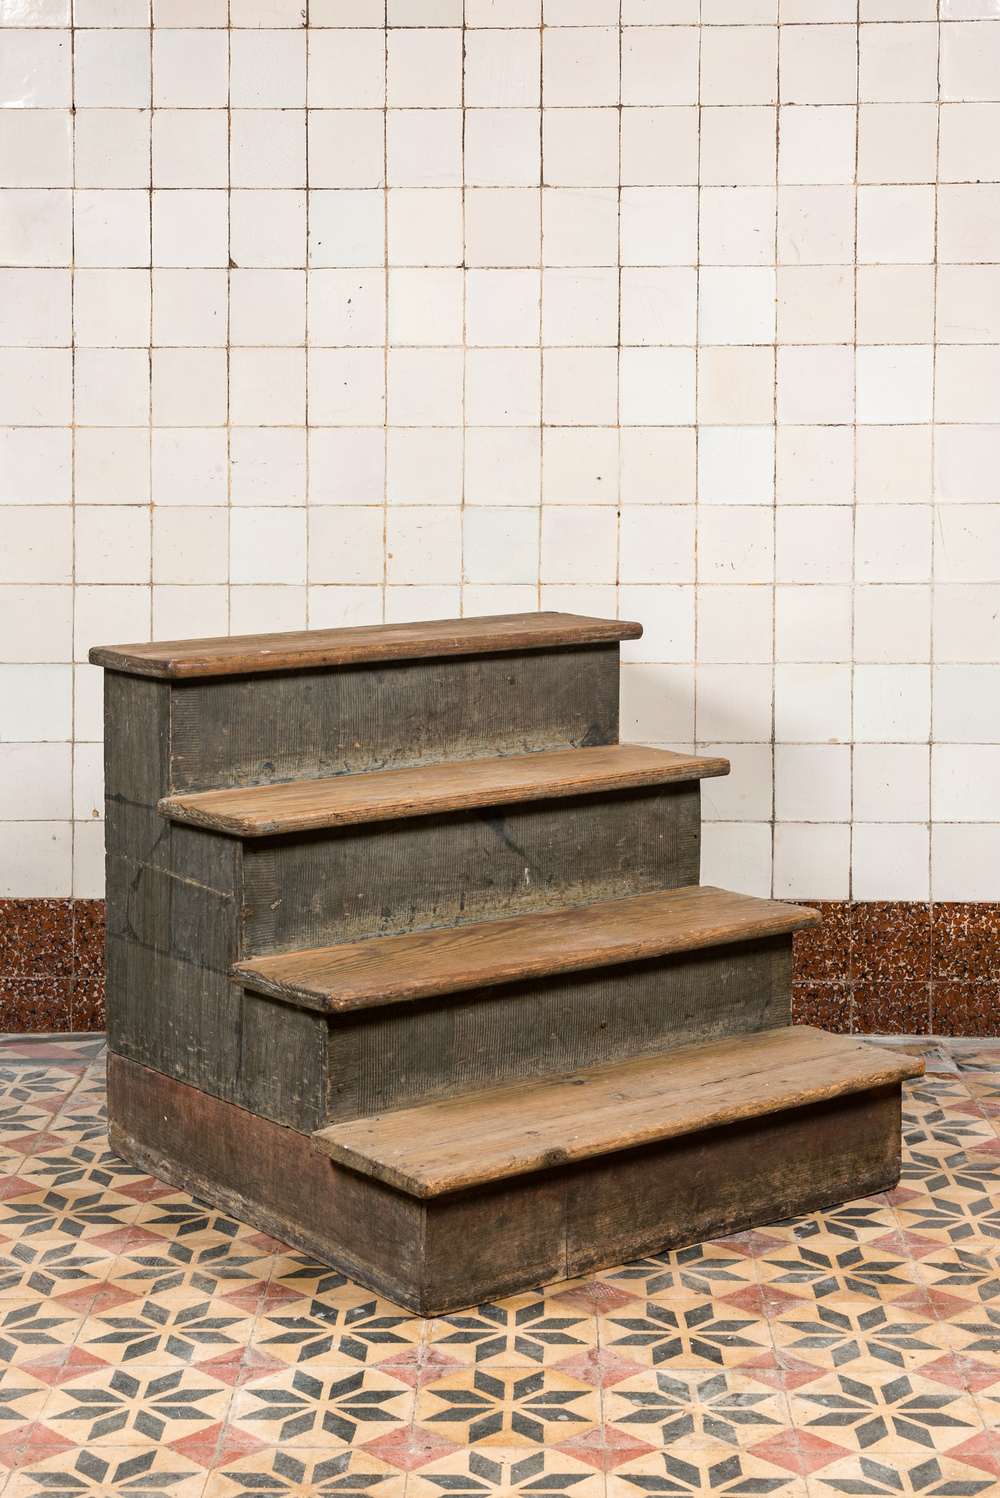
(249, 974)
(328, 1142)
(237, 655)
(200, 809)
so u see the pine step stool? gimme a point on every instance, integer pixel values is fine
(408, 963)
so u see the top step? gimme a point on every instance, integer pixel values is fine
(239, 655)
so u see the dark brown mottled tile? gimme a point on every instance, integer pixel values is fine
(88, 938)
(822, 954)
(966, 940)
(890, 1007)
(891, 940)
(35, 1004)
(87, 1003)
(36, 938)
(825, 1005)
(966, 1008)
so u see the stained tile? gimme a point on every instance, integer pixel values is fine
(700, 1333)
(891, 1472)
(879, 1411)
(707, 1472)
(512, 1406)
(525, 1330)
(692, 1409)
(823, 1270)
(177, 1326)
(323, 1408)
(118, 1407)
(361, 1329)
(854, 1222)
(287, 1474)
(505, 1470)
(878, 1337)
(108, 1472)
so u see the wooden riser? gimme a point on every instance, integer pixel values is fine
(441, 1255)
(237, 731)
(315, 889)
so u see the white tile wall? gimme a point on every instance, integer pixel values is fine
(333, 312)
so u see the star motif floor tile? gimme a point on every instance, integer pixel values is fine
(152, 1343)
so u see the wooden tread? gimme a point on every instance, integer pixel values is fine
(386, 969)
(380, 795)
(238, 655)
(490, 1136)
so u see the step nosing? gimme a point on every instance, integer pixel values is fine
(222, 656)
(385, 969)
(422, 1149)
(424, 790)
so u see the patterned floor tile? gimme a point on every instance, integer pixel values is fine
(879, 1337)
(305, 1473)
(152, 1343)
(111, 1472)
(874, 1411)
(178, 1326)
(512, 1406)
(823, 1268)
(715, 1268)
(506, 1470)
(31, 1324)
(902, 1472)
(689, 1410)
(53, 1216)
(853, 1222)
(527, 1330)
(698, 1333)
(122, 1408)
(974, 1331)
(679, 1476)
(327, 1407)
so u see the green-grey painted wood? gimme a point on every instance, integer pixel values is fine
(381, 878)
(394, 1057)
(170, 944)
(283, 1070)
(254, 730)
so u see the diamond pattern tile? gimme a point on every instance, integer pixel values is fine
(149, 1344)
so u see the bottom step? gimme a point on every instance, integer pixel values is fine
(441, 1253)
(488, 1136)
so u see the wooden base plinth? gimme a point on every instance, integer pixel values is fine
(442, 1254)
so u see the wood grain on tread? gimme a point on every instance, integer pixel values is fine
(449, 1146)
(237, 655)
(381, 795)
(383, 970)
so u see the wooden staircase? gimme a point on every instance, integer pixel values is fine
(408, 963)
